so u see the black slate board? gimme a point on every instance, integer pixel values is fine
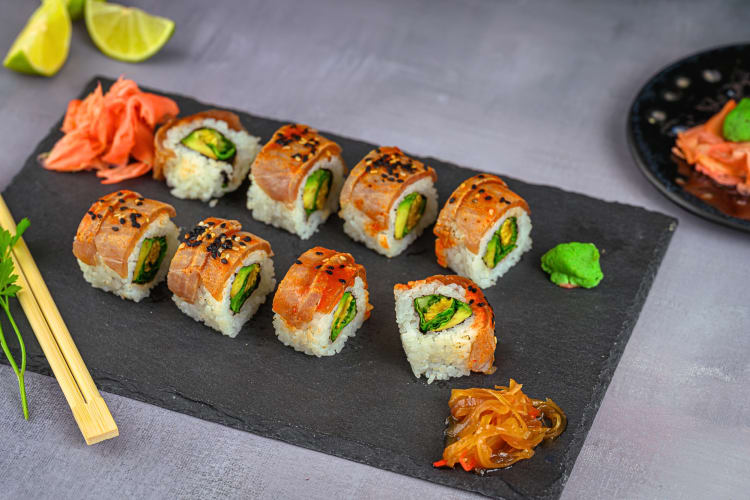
(363, 404)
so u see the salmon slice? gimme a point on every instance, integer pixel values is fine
(111, 133)
(209, 256)
(315, 284)
(113, 225)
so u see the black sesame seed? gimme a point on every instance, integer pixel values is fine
(452, 200)
(318, 253)
(223, 225)
(342, 266)
(329, 271)
(115, 228)
(298, 262)
(224, 261)
(99, 216)
(246, 238)
(473, 186)
(488, 198)
(342, 281)
(329, 267)
(481, 191)
(119, 193)
(480, 176)
(318, 266)
(122, 221)
(481, 304)
(139, 203)
(211, 223)
(471, 301)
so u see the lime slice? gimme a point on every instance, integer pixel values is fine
(126, 33)
(42, 46)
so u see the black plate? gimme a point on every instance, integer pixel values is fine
(684, 94)
(363, 404)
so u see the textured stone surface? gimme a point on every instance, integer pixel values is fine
(363, 404)
(536, 90)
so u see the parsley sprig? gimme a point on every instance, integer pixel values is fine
(8, 290)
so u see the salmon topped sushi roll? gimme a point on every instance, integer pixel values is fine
(122, 242)
(322, 301)
(447, 327)
(295, 180)
(205, 155)
(483, 229)
(221, 275)
(388, 200)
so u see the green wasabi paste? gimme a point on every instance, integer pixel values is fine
(571, 265)
(737, 123)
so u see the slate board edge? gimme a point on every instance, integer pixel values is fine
(384, 459)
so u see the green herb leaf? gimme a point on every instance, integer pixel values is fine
(8, 289)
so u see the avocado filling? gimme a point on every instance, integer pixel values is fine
(149, 259)
(345, 312)
(245, 283)
(408, 213)
(210, 143)
(316, 190)
(438, 312)
(502, 243)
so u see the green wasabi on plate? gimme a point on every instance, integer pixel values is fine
(573, 265)
(737, 123)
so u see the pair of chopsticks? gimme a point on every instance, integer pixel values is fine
(89, 409)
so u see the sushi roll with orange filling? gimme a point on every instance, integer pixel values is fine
(205, 155)
(122, 242)
(483, 229)
(388, 200)
(322, 301)
(221, 275)
(295, 180)
(447, 327)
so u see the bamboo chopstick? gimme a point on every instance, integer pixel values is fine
(89, 409)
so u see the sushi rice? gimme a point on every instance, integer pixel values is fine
(192, 175)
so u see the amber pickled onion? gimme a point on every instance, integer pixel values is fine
(492, 429)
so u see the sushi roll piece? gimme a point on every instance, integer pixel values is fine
(205, 155)
(447, 327)
(321, 302)
(296, 180)
(483, 229)
(124, 242)
(388, 200)
(221, 275)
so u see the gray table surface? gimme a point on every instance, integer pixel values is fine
(536, 90)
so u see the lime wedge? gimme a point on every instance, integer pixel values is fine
(42, 46)
(75, 9)
(126, 33)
